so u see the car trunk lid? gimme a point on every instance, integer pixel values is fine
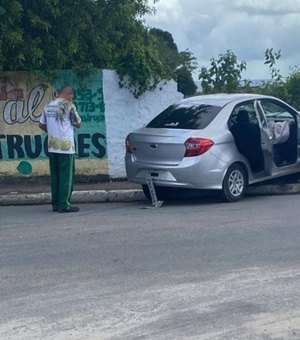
(159, 146)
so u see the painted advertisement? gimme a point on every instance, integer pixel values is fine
(23, 146)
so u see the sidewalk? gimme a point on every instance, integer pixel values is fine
(37, 193)
(118, 191)
(34, 188)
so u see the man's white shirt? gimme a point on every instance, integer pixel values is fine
(56, 115)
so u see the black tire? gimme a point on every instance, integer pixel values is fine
(146, 191)
(162, 193)
(234, 184)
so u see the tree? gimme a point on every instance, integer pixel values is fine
(185, 82)
(276, 86)
(81, 35)
(292, 87)
(270, 59)
(224, 75)
(166, 38)
(178, 65)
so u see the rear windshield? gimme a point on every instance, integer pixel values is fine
(185, 117)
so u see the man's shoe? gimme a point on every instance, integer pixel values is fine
(69, 210)
(55, 209)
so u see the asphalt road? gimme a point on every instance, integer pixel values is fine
(188, 270)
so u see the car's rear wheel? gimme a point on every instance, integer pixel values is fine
(162, 193)
(146, 191)
(234, 184)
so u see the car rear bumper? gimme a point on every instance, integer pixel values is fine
(201, 172)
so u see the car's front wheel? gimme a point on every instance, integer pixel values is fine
(234, 184)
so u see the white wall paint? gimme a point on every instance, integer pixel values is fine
(124, 113)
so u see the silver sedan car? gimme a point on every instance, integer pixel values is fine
(215, 142)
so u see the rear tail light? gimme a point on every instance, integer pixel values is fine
(127, 144)
(197, 146)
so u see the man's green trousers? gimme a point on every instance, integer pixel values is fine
(62, 168)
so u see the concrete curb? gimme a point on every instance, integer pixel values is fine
(274, 189)
(126, 195)
(25, 199)
(131, 195)
(91, 196)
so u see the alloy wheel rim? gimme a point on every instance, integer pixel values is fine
(236, 183)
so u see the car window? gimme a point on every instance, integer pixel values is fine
(246, 107)
(185, 117)
(276, 111)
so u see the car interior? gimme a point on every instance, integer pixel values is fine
(286, 151)
(246, 131)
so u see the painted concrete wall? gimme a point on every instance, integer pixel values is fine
(124, 113)
(108, 114)
(23, 146)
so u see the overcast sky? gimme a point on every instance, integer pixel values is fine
(247, 27)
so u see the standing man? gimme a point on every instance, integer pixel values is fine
(58, 119)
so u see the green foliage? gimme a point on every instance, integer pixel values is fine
(270, 59)
(132, 50)
(177, 65)
(167, 50)
(188, 60)
(276, 86)
(224, 74)
(81, 35)
(139, 65)
(292, 88)
(287, 90)
(185, 82)
(165, 37)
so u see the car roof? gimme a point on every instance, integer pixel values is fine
(220, 99)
